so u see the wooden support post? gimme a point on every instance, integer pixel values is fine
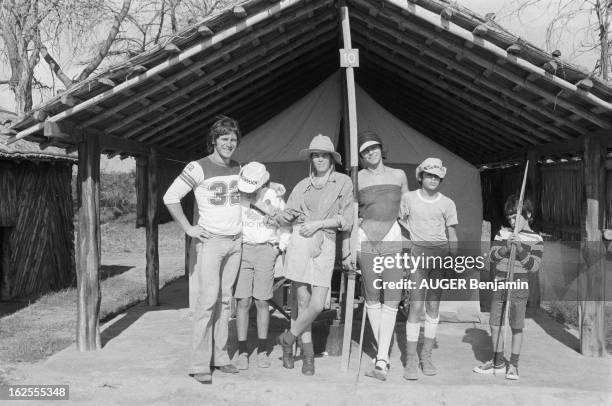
(534, 193)
(88, 246)
(151, 231)
(350, 115)
(591, 276)
(141, 191)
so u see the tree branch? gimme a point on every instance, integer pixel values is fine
(55, 67)
(103, 50)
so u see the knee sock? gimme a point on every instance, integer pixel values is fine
(374, 315)
(261, 345)
(242, 347)
(387, 326)
(498, 358)
(412, 337)
(308, 349)
(431, 325)
(514, 359)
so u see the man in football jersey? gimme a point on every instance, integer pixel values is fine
(214, 181)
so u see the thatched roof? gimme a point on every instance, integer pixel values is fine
(455, 76)
(27, 150)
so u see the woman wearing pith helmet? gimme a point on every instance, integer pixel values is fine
(380, 192)
(319, 207)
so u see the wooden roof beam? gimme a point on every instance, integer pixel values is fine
(193, 86)
(466, 35)
(507, 74)
(400, 71)
(489, 83)
(195, 68)
(305, 44)
(229, 107)
(493, 132)
(240, 92)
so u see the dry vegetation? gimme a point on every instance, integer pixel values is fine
(48, 325)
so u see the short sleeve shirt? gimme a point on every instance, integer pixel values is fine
(428, 219)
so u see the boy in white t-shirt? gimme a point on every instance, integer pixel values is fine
(262, 242)
(432, 218)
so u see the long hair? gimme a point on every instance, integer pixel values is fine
(511, 205)
(222, 126)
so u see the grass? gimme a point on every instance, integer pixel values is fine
(49, 324)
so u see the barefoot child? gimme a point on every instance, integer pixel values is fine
(529, 249)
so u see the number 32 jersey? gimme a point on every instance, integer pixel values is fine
(216, 191)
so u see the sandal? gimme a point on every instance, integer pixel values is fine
(379, 372)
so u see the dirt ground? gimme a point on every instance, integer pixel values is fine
(145, 357)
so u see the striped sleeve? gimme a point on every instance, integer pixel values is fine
(498, 243)
(533, 261)
(189, 178)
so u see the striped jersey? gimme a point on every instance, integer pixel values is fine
(216, 192)
(530, 260)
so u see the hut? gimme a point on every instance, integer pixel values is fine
(459, 79)
(36, 217)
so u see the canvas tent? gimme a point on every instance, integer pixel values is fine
(458, 78)
(278, 142)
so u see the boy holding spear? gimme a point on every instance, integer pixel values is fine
(514, 254)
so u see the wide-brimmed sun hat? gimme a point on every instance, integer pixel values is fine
(433, 166)
(366, 139)
(252, 176)
(321, 143)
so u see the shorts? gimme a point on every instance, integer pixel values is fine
(256, 275)
(429, 273)
(383, 283)
(518, 306)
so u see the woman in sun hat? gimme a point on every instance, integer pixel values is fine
(319, 207)
(380, 192)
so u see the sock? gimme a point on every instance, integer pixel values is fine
(374, 314)
(242, 347)
(412, 337)
(387, 326)
(308, 349)
(514, 359)
(498, 358)
(262, 343)
(431, 325)
(287, 338)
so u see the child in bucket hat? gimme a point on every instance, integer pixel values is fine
(432, 218)
(262, 241)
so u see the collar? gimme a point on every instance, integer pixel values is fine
(332, 178)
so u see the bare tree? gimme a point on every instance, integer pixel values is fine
(585, 23)
(29, 27)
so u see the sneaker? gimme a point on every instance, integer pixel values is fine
(381, 367)
(242, 362)
(512, 373)
(228, 369)
(411, 370)
(204, 378)
(490, 368)
(262, 360)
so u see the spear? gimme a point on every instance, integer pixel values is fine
(510, 270)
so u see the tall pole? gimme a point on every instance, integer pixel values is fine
(348, 60)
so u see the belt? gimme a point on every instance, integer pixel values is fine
(232, 237)
(271, 244)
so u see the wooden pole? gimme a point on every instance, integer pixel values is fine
(591, 276)
(151, 231)
(88, 247)
(519, 210)
(351, 112)
(534, 177)
(141, 191)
